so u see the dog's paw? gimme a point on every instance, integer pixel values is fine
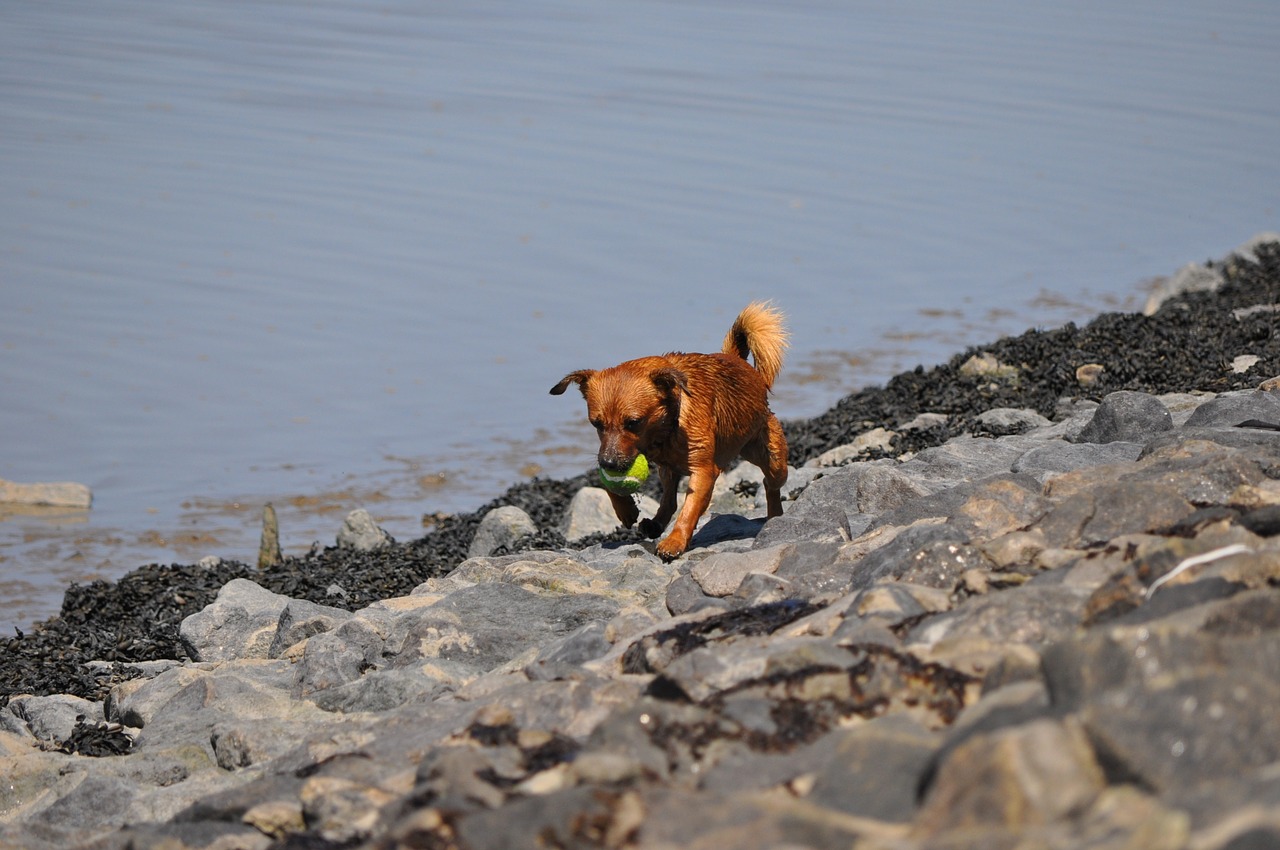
(668, 550)
(649, 528)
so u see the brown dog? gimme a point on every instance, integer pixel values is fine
(691, 414)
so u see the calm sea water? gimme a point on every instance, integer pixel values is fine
(333, 254)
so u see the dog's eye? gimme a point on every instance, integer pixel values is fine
(633, 425)
(597, 424)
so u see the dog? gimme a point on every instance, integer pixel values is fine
(691, 414)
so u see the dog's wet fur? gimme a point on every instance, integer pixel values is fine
(691, 414)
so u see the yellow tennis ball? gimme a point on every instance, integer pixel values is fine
(626, 482)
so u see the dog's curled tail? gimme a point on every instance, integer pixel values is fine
(758, 330)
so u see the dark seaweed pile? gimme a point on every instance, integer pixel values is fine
(1187, 345)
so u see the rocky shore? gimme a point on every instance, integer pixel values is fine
(1029, 598)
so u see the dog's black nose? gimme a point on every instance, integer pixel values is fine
(615, 463)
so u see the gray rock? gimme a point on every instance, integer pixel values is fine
(1095, 516)
(1018, 778)
(1058, 456)
(361, 533)
(714, 668)
(1182, 405)
(720, 574)
(240, 623)
(561, 657)
(240, 743)
(1010, 420)
(925, 421)
(1193, 277)
(942, 564)
(890, 604)
(817, 521)
(964, 459)
(838, 487)
(994, 506)
(94, 803)
(761, 589)
(875, 770)
(735, 491)
(895, 557)
(877, 439)
(882, 487)
(814, 570)
(685, 595)
(1172, 709)
(1127, 416)
(996, 674)
(1069, 419)
(330, 660)
(500, 528)
(381, 690)
(1032, 614)
(475, 629)
(590, 512)
(1235, 438)
(182, 710)
(1211, 727)
(1232, 409)
(54, 718)
(300, 620)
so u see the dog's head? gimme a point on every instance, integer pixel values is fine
(631, 405)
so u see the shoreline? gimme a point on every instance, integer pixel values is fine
(969, 557)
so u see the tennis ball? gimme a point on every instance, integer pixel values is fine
(626, 482)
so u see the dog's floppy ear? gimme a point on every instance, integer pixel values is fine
(668, 379)
(579, 377)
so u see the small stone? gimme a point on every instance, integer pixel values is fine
(976, 581)
(877, 439)
(1089, 374)
(985, 365)
(500, 528)
(925, 421)
(1011, 420)
(361, 533)
(590, 512)
(63, 494)
(1244, 362)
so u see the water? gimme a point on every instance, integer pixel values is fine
(334, 254)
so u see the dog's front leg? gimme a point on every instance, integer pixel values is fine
(696, 501)
(625, 507)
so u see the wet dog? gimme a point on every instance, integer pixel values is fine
(691, 414)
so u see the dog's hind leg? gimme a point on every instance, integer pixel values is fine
(768, 450)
